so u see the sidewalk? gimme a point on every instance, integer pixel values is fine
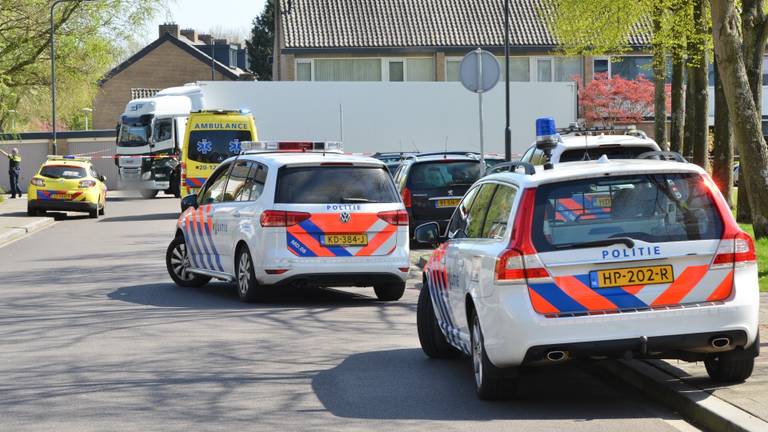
(14, 222)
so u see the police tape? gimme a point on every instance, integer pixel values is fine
(84, 155)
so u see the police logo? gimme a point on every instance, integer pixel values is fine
(344, 217)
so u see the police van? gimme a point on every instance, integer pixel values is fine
(294, 213)
(598, 259)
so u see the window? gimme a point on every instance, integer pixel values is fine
(236, 183)
(498, 213)
(163, 130)
(335, 184)
(63, 172)
(452, 69)
(214, 146)
(544, 70)
(519, 68)
(479, 208)
(568, 68)
(213, 191)
(458, 225)
(304, 70)
(347, 70)
(617, 152)
(631, 67)
(420, 69)
(601, 65)
(535, 156)
(652, 208)
(442, 174)
(396, 70)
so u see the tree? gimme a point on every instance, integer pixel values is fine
(739, 46)
(261, 43)
(615, 100)
(722, 150)
(698, 80)
(89, 37)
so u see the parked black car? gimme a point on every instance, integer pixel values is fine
(393, 160)
(432, 185)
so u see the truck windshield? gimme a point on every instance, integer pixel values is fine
(134, 132)
(214, 146)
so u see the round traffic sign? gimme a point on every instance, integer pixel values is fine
(479, 71)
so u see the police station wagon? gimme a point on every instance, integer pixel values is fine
(600, 259)
(294, 213)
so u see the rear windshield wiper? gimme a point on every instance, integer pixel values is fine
(355, 200)
(626, 241)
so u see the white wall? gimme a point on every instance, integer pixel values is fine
(711, 101)
(379, 116)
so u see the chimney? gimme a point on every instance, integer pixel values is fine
(221, 41)
(172, 29)
(205, 38)
(190, 34)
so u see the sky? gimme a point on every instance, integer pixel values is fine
(204, 15)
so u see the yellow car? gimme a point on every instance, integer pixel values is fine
(67, 183)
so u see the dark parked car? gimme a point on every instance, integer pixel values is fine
(432, 185)
(393, 160)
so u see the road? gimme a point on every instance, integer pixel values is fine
(94, 336)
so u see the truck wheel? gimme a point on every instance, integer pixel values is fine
(732, 366)
(390, 291)
(148, 193)
(488, 387)
(248, 287)
(177, 262)
(431, 338)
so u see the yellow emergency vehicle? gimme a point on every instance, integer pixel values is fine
(67, 183)
(212, 137)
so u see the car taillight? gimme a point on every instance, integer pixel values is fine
(735, 252)
(406, 195)
(520, 262)
(37, 181)
(280, 218)
(86, 184)
(394, 217)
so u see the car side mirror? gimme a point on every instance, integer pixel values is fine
(102, 179)
(188, 201)
(428, 234)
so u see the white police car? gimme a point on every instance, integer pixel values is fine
(296, 213)
(639, 258)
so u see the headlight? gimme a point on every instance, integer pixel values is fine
(147, 175)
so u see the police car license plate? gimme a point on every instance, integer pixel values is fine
(345, 239)
(453, 202)
(631, 276)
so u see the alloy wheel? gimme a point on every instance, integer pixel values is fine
(477, 352)
(180, 262)
(244, 273)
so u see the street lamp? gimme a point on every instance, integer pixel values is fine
(53, 70)
(508, 129)
(86, 111)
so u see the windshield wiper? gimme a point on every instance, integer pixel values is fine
(626, 241)
(355, 200)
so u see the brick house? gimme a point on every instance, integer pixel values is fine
(177, 57)
(396, 40)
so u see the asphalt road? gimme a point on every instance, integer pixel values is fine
(94, 336)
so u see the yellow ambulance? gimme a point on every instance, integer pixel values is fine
(212, 137)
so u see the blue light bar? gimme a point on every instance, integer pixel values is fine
(545, 129)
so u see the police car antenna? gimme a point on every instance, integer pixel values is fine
(445, 146)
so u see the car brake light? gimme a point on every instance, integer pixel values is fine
(406, 195)
(520, 262)
(336, 164)
(37, 181)
(394, 217)
(280, 218)
(735, 251)
(86, 184)
(276, 271)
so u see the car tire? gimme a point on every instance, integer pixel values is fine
(94, 214)
(248, 288)
(489, 387)
(103, 209)
(148, 193)
(390, 291)
(732, 366)
(432, 340)
(177, 262)
(32, 212)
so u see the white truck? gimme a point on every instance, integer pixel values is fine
(149, 138)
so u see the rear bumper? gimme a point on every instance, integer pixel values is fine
(341, 279)
(61, 205)
(350, 271)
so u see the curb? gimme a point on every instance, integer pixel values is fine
(696, 406)
(10, 234)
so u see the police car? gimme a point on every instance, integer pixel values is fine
(294, 213)
(631, 258)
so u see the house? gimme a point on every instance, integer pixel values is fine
(397, 40)
(177, 57)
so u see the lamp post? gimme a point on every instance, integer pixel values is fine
(86, 111)
(507, 129)
(53, 70)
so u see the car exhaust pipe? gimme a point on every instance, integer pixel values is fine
(556, 356)
(721, 342)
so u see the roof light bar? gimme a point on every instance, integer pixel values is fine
(291, 146)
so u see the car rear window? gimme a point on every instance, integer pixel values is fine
(214, 146)
(63, 172)
(649, 207)
(334, 185)
(612, 152)
(443, 173)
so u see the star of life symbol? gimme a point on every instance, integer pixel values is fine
(344, 217)
(234, 146)
(204, 146)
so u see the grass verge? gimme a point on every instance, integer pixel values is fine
(761, 249)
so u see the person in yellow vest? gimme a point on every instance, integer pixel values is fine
(14, 171)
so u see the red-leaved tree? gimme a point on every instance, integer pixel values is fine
(615, 100)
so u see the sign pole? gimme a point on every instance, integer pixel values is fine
(479, 54)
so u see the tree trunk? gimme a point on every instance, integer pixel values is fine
(690, 114)
(747, 130)
(660, 80)
(722, 150)
(700, 138)
(678, 104)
